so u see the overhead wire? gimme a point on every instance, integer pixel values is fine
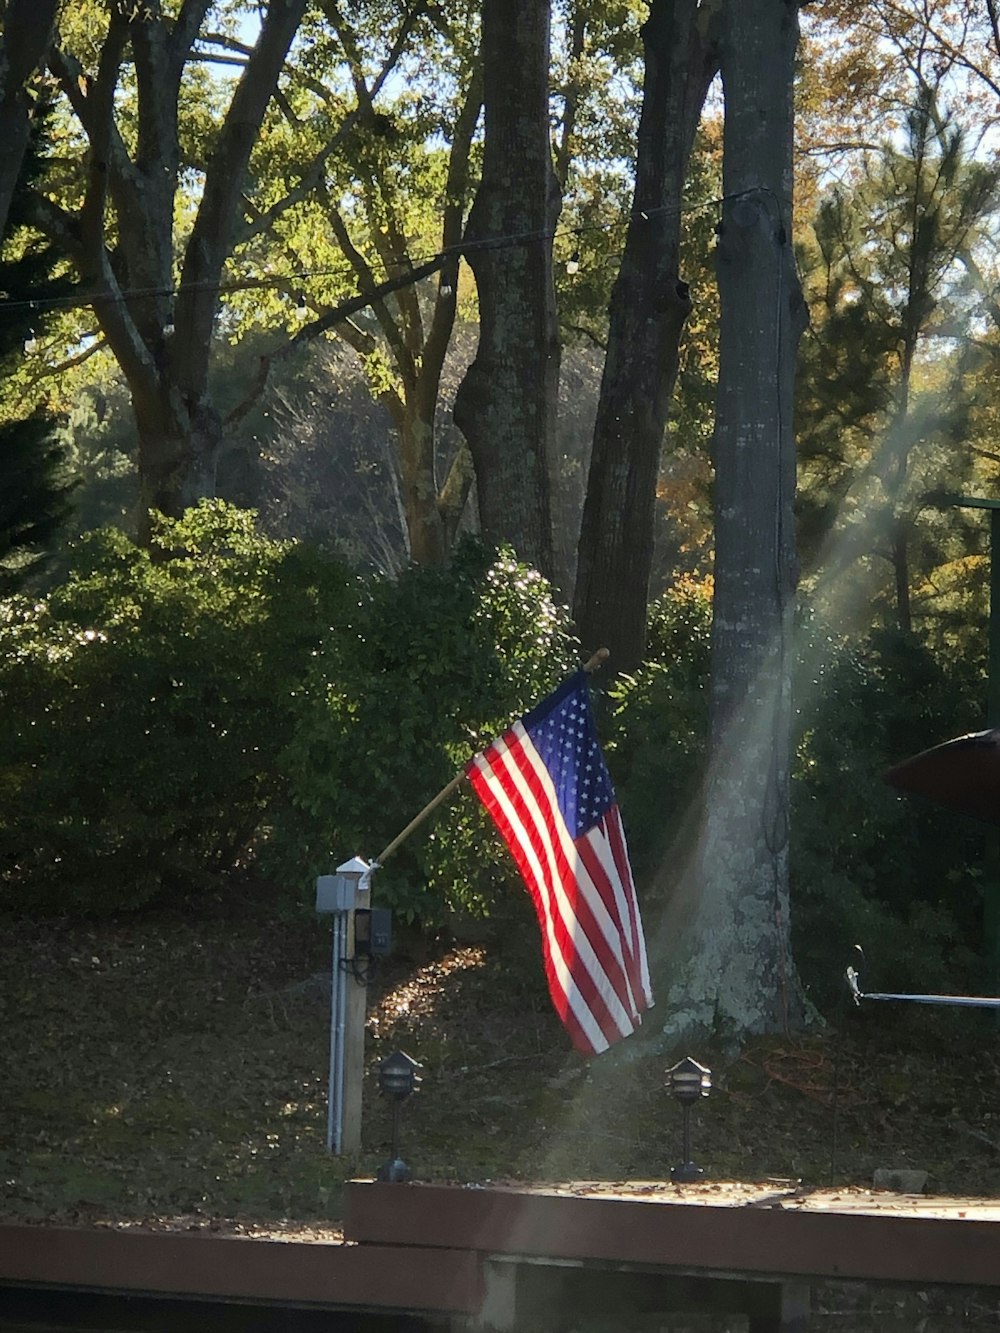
(427, 263)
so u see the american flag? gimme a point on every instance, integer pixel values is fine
(546, 785)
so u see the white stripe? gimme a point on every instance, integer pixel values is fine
(548, 882)
(601, 844)
(581, 1010)
(619, 1015)
(609, 928)
(627, 897)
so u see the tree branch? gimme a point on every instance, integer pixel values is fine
(326, 321)
(212, 234)
(313, 173)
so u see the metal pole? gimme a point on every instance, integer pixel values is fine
(335, 1085)
(331, 1080)
(341, 1034)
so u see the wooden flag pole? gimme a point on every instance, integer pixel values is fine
(592, 664)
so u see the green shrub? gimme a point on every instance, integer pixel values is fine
(869, 866)
(170, 716)
(899, 876)
(438, 663)
(143, 705)
(659, 722)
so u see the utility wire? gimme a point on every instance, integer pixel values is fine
(418, 267)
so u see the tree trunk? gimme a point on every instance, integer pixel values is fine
(162, 341)
(649, 305)
(27, 30)
(424, 522)
(900, 556)
(506, 405)
(734, 974)
(179, 446)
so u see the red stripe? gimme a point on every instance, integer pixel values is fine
(608, 966)
(552, 821)
(622, 966)
(560, 999)
(542, 890)
(606, 830)
(616, 836)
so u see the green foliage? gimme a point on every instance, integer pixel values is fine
(890, 374)
(169, 714)
(34, 484)
(144, 703)
(660, 721)
(34, 497)
(437, 663)
(869, 866)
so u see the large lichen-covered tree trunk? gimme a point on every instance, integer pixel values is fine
(649, 306)
(506, 405)
(733, 972)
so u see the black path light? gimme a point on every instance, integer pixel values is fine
(688, 1081)
(399, 1075)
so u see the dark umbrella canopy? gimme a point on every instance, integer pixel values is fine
(962, 774)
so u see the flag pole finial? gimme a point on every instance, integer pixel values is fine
(597, 661)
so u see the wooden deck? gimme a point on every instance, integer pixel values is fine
(498, 1257)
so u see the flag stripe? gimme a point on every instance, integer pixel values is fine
(568, 868)
(575, 1014)
(516, 769)
(620, 852)
(546, 786)
(596, 855)
(607, 844)
(582, 978)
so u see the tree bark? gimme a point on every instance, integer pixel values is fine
(506, 405)
(162, 342)
(26, 33)
(415, 345)
(649, 305)
(733, 972)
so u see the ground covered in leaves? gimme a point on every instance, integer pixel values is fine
(177, 1065)
(171, 1070)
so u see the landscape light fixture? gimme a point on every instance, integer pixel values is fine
(399, 1075)
(688, 1081)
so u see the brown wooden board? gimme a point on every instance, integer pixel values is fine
(241, 1268)
(775, 1239)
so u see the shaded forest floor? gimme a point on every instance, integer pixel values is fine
(177, 1065)
(171, 1070)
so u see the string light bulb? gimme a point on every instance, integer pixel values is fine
(30, 343)
(573, 264)
(301, 309)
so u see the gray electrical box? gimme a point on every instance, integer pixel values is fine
(335, 893)
(339, 892)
